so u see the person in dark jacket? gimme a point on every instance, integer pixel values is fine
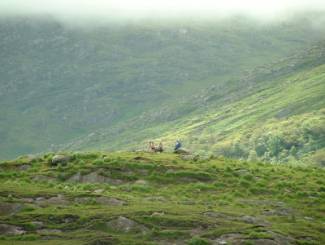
(178, 145)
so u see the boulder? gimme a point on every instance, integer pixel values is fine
(252, 220)
(48, 231)
(24, 167)
(98, 191)
(155, 199)
(43, 178)
(140, 182)
(123, 224)
(109, 201)
(60, 159)
(231, 238)
(216, 215)
(278, 212)
(190, 157)
(27, 200)
(58, 200)
(84, 200)
(93, 177)
(9, 208)
(157, 214)
(75, 178)
(11, 230)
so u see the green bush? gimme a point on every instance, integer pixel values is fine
(198, 241)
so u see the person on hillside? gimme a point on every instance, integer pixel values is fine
(178, 145)
(152, 146)
(160, 148)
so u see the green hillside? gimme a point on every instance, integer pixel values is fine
(146, 198)
(62, 84)
(274, 113)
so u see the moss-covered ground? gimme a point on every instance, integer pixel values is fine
(146, 198)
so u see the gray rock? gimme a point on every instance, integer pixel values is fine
(123, 224)
(252, 220)
(93, 177)
(38, 199)
(43, 178)
(24, 167)
(83, 200)
(157, 214)
(75, 178)
(217, 215)
(27, 200)
(231, 238)
(155, 199)
(98, 191)
(49, 231)
(9, 208)
(110, 201)
(11, 230)
(140, 182)
(278, 212)
(59, 200)
(60, 159)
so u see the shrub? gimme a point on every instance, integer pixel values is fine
(99, 162)
(198, 241)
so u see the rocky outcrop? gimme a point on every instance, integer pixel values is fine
(48, 231)
(238, 238)
(123, 224)
(9, 208)
(60, 159)
(11, 230)
(110, 201)
(58, 200)
(93, 177)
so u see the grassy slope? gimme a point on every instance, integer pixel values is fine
(60, 83)
(276, 114)
(292, 111)
(175, 201)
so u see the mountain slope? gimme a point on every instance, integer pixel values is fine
(59, 83)
(274, 113)
(143, 198)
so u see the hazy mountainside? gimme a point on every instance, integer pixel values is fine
(143, 198)
(274, 113)
(60, 83)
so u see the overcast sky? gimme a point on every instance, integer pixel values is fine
(139, 9)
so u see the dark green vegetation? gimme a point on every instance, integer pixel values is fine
(113, 87)
(142, 198)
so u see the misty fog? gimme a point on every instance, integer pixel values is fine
(79, 11)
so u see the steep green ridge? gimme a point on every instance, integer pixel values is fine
(145, 198)
(59, 83)
(273, 113)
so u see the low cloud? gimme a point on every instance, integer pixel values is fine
(115, 10)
